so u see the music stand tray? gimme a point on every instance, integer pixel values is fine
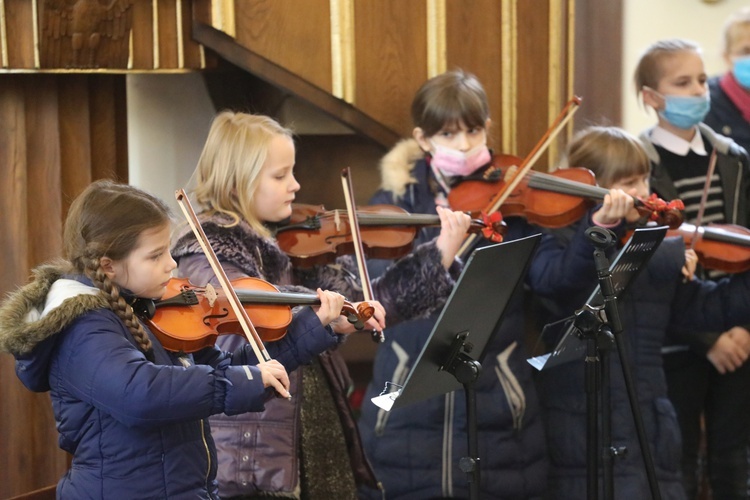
(624, 268)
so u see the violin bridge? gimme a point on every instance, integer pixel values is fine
(337, 220)
(211, 294)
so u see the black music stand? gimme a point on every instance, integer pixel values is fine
(590, 336)
(466, 323)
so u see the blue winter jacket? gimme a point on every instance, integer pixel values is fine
(415, 450)
(564, 271)
(136, 429)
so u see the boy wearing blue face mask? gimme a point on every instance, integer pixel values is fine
(710, 375)
(730, 93)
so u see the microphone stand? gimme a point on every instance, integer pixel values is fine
(600, 332)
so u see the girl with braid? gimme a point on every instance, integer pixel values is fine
(134, 415)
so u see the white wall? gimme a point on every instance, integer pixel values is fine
(646, 21)
(168, 119)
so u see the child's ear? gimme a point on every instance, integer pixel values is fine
(107, 266)
(419, 136)
(650, 98)
(487, 124)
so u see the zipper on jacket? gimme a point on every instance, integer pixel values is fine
(208, 454)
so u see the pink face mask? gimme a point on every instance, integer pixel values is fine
(453, 162)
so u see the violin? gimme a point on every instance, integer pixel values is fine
(189, 318)
(551, 200)
(722, 247)
(316, 236)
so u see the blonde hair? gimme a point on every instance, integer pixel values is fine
(610, 152)
(739, 19)
(650, 68)
(447, 99)
(105, 220)
(228, 170)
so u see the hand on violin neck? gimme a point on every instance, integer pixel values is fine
(274, 375)
(617, 205)
(330, 306)
(453, 228)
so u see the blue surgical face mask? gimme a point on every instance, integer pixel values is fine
(684, 111)
(741, 70)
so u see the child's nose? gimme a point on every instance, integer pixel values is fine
(462, 141)
(699, 88)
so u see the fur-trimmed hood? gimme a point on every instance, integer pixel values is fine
(44, 307)
(397, 165)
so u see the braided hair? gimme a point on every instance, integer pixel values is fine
(106, 219)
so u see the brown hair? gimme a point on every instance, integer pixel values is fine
(649, 70)
(610, 152)
(447, 99)
(739, 19)
(229, 166)
(106, 219)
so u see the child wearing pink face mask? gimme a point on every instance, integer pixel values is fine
(709, 377)
(730, 92)
(416, 450)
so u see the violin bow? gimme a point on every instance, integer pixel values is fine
(359, 253)
(558, 124)
(704, 199)
(247, 326)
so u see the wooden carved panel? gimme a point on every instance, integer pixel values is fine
(85, 33)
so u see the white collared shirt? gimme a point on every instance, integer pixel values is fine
(677, 145)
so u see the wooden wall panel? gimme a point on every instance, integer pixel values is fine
(533, 75)
(27, 435)
(391, 55)
(19, 19)
(192, 50)
(479, 51)
(75, 136)
(43, 160)
(307, 52)
(53, 128)
(13, 171)
(143, 35)
(108, 118)
(172, 51)
(167, 14)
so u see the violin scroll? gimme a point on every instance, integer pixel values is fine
(665, 213)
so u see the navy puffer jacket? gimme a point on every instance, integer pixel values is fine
(136, 429)
(416, 449)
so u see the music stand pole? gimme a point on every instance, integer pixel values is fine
(467, 370)
(602, 239)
